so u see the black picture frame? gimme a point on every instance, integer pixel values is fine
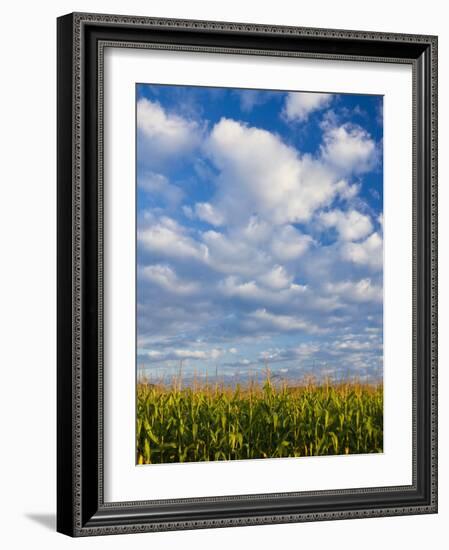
(81, 510)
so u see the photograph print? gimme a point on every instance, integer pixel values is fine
(259, 300)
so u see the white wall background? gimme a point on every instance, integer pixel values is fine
(27, 273)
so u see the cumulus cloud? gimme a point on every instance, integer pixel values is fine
(260, 174)
(352, 345)
(252, 98)
(229, 254)
(347, 191)
(181, 354)
(168, 238)
(302, 351)
(251, 291)
(261, 177)
(231, 286)
(204, 211)
(276, 278)
(282, 242)
(165, 277)
(159, 185)
(350, 225)
(356, 342)
(282, 322)
(163, 134)
(299, 105)
(348, 149)
(360, 291)
(288, 243)
(366, 253)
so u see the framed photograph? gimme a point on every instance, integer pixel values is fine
(247, 274)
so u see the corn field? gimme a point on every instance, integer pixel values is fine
(213, 422)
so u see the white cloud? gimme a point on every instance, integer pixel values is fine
(228, 254)
(352, 345)
(261, 175)
(282, 322)
(256, 231)
(276, 278)
(348, 149)
(347, 191)
(302, 351)
(231, 286)
(306, 349)
(239, 253)
(164, 134)
(289, 244)
(166, 278)
(158, 184)
(299, 105)
(375, 330)
(251, 291)
(351, 225)
(357, 342)
(208, 213)
(251, 98)
(199, 354)
(360, 291)
(168, 238)
(159, 356)
(368, 252)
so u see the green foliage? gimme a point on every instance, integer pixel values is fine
(218, 423)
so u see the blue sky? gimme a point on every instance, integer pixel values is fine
(259, 233)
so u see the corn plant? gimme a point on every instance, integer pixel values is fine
(214, 422)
